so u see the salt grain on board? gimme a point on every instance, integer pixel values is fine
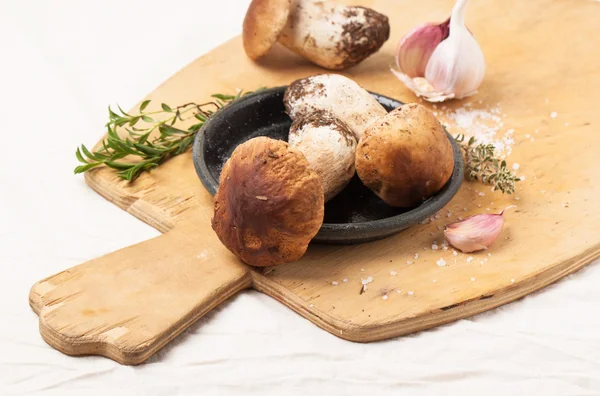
(335, 283)
(410, 293)
(393, 273)
(441, 262)
(469, 259)
(485, 124)
(385, 297)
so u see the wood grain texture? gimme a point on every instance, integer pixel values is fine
(535, 51)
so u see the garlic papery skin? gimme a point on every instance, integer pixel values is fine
(440, 62)
(475, 233)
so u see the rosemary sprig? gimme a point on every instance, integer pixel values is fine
(137, 151)
(481, 164)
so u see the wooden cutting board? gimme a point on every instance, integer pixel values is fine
(542, 57)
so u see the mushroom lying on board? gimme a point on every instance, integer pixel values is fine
(405, 157)
(329, 146)
(336, 94)
(332, 36)
(269, 204)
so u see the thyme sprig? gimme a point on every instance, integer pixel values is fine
(137, 150)
(482, 164)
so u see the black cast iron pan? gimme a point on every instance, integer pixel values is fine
(355, 215)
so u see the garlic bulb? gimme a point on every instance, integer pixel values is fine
(441, 61)
(476, 232)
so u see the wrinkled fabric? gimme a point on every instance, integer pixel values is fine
(63, 62)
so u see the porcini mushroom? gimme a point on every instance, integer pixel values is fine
(329, 146)
(269, 204)
(331, 35)
(405, 157)
(335, 94)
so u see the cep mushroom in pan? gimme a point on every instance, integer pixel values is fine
(405, 157)
(332, 36)
(335, 94)
(269, 204)
(329, 146)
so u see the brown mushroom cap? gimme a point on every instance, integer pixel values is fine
(405, 157)
(264, 22)
(269, 204)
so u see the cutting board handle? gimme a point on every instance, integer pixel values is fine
(127, 304)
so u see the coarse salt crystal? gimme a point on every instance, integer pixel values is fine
(553, 115)
(362, 270)
(398, 291)
(385, 297)
(393, 273)
(441, 262)
(439, 227)
(481, 194)
(489, 254)
(445, 247)
(335, 283)
(410, 293)
(516, 166)
(512, 281)
(455, 253)
(310, 305)
(409, 262)
(345, 280)
(472, 279)
(469, 259)
(517, 198)
(416, 256)
(434, 281)
(437, 216)
(465, 209)
(435, 247)
(522, 177)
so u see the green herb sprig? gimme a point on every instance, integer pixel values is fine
(482, 164)
(137, 151)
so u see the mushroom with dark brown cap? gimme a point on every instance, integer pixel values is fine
(335, 94)
(331, 35)
(269, 204)
(329, 146)
(405, 157)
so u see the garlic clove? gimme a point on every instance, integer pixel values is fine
(475, 233)
(415, 49)
(454, 69)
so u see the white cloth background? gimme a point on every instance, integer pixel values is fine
(62, 62)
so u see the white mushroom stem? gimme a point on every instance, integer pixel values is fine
(335, 94)
(329, 147)
(333, 36)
